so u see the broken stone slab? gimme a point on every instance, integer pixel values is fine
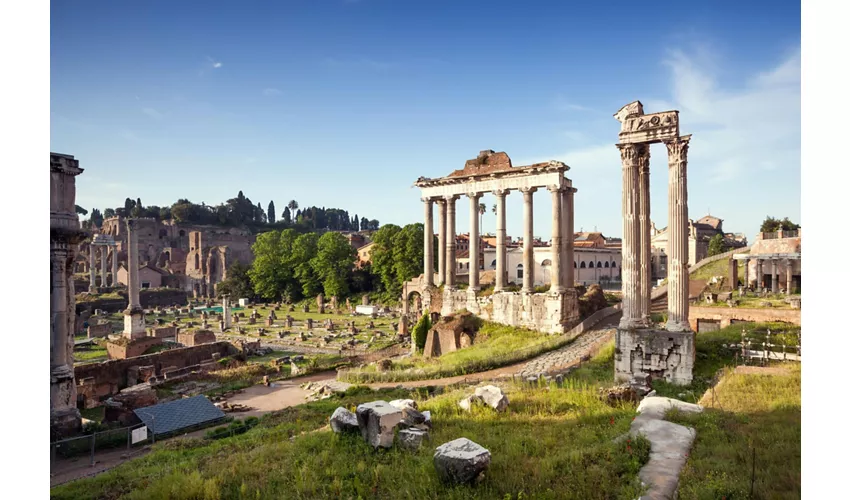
(467, 402)
(343, 420)
(461, 461)
(493, 397)
(377, 421)
(669, 447)
(656, 406)
(404, 403)
(412, 439)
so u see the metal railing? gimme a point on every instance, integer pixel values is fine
(89, 444)
(769, 347)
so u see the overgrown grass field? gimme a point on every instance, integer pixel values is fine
(552, 443)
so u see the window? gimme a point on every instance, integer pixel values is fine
(591, 264)
(582, 266)
(613, 264)
(519, 271)
(606, 264)
(493, 264)
(598, 264)
(182, 233)
(146, 284)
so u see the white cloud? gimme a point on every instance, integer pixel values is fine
(271, 92)
(215, 64)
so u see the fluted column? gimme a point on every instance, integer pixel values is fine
(501, 249)
(645, 248)
(134, 315)
(568, 238)
(789, 276)
(92, 268)
(114, 265)
(746, 273)
(774, 276)
(474, 247)
(451, 241)
(104, 254)
(631, 237)
(759, 275)
(441, 242)
(677, 206)
(429, 242)
(528, 240)
(557, 240)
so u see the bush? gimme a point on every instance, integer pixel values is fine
(235, 427)
(420, 331)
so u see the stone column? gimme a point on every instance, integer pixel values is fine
(429, 243)
(629, 154)
(474, 247)
(557, 240)
(759, 275)
(225, 312)
(774, 276)
(677, 206)
(134, 315)
(733, 274)
(789, 276)
(645, 247)
(501, 248)
(451, 241)
(746, 273)
(528, 240)
(441, 252)
(114, 265)
(104, 255)
(92, 268)
(568, 238)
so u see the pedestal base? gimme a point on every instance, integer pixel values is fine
(65, 422)
(661, 354)
(134, 324)
(124, 348)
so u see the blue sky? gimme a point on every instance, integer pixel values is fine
(345, 103)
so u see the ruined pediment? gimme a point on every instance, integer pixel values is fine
(487, 162)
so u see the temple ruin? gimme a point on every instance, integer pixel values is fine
(641, 349)
(65, 236)
(555, 311)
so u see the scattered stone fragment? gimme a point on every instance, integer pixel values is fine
(461, 461)
(467, 402)
(411, 439)
(377, 421)
(343, 420)
(493, 397)
(404, 403)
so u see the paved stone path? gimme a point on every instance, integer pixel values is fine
(570, 354)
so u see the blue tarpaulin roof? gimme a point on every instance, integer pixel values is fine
(180, 414)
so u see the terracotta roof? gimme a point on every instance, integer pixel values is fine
(462, 254)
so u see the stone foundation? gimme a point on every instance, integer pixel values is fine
(163, 332)
(660, 354)
(198, 337)
(99, 330)
(124, 349)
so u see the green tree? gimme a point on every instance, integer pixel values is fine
(270, 212)
(771, 225)
(109, 213)
(287, 215)
(333, 263)
(420, 331)
(80, 210)
(364, 224)
(238, 283)
(716, 245)
(271, 272)
(408, 254)
(303, 250)
(383, 262)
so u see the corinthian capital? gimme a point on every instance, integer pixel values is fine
(677, 150)
(643, 158)
(629, 152)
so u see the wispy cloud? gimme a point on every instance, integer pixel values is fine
(271, 92)
(361, 62)
(152, 113)
(215, 64)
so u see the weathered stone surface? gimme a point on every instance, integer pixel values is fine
(404, 403)
(377, 421)
(412, 439)
(467, 402)
(657, 406)
(461, 461)
(493, 397)
(343, 420)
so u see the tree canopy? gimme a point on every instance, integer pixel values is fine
(771, 224)
(716, 245)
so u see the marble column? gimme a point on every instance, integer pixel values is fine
(451, 242)
(645, 247)
(134, 315)
(528, 240)
(677, 206)
(746, 273)
(789, 276)
(104, 256)
(774, 276)
(759, 275)
(629, 267)
(92, 269)
(474, 244)
(733, 274)
(568, 238)
(441, 242)
(225, 312)
(501, 247)
(429, 242)
(114, 265)
(557, 240)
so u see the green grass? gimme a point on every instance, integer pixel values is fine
(746, 412)
(776, 300)
(551, 444)
(495, 345)
(96, 414)
(91, 354)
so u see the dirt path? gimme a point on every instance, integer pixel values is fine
(281, 394)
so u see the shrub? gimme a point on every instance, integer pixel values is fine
(420, 331)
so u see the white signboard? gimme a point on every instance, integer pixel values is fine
(139, 434)
(366, 309)
(243, 302)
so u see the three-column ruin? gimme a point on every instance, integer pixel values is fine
(491, 172)
(667, 351)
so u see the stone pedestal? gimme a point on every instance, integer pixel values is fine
(660, 354)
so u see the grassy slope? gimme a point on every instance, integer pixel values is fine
(746, 411)
(552, 443)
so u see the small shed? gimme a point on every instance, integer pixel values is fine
(182, 414)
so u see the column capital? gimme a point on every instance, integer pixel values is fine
(451, 197)
(475, 195)
(528, 190)
(677, 149)
(556, 189)
(427, 199)
(501, 193)
(643, 160)
(630, 153)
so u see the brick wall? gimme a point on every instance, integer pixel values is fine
(727, 314)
